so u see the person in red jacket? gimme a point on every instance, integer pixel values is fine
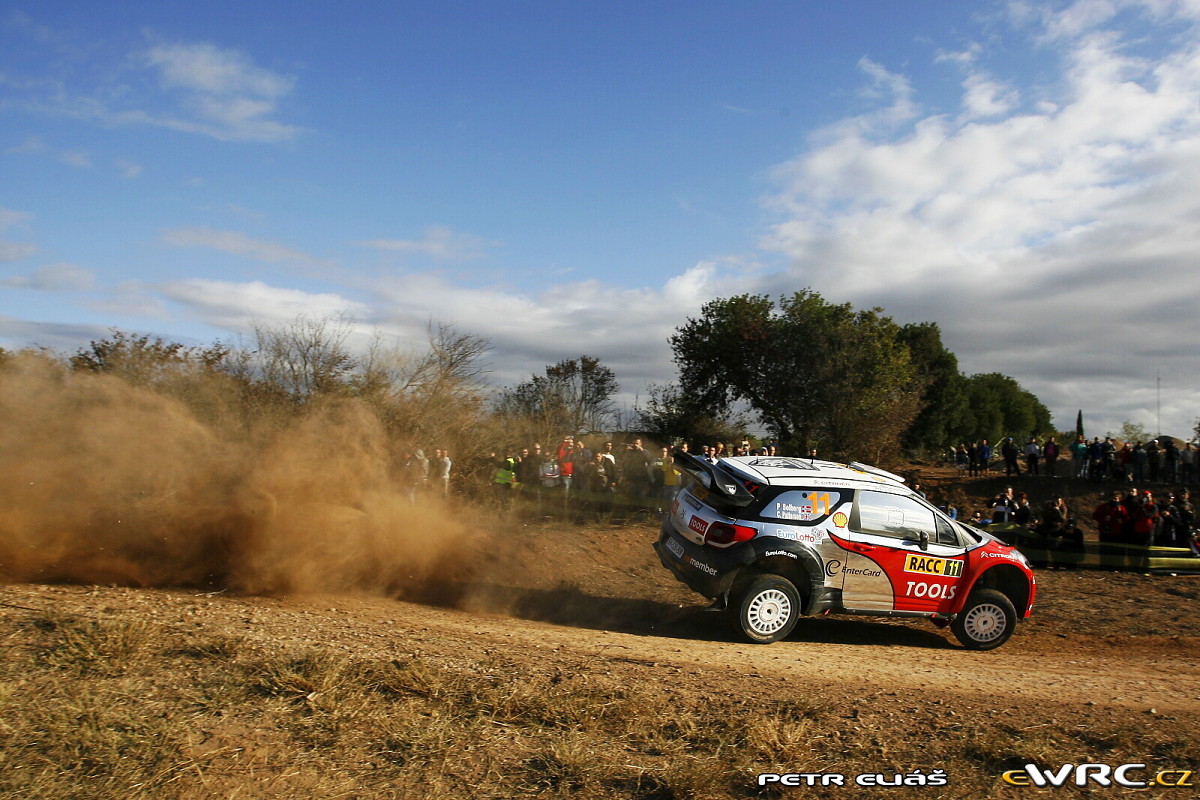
(1144, 520)
(1110, 519)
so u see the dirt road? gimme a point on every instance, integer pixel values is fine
(1109, 667)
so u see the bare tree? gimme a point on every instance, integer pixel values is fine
(305, 357)
(431, 396)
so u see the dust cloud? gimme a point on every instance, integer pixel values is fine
(105, 481)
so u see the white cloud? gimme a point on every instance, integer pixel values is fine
(1077, 18)
(439, 242)
(987, 98)
(14, 251)
(216, 72)
(238, 244)
(1052, 242)
(56, 277)
(128, 169)
(884, 85)
(965, 57)
(202, 89)
(32, 144)
(36, 145)
(627, 328)
(9, 218)
(226, 94)
(133, 300)
(75, 158)
(237, 306)
(18, 333)
(983, 95)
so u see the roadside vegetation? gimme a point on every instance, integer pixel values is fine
(113, 708)
(183, 700)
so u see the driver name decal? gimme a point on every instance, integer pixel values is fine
(807, 507)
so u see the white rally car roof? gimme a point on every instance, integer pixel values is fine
(784, 471)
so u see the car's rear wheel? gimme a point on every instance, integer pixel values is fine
(766, 609)
(986, 621)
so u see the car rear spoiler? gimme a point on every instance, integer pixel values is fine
(718, 482)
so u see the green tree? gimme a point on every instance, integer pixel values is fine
(1131, 432)
(670, 415)
(945, 416)
(141, 359)
(572, 396)
(1000, 407)
(817, 374)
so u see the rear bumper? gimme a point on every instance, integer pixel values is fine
(705, 570)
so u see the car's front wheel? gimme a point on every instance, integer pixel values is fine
(986, 621)
(767, 608)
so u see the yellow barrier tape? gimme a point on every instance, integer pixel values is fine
(1100, 555)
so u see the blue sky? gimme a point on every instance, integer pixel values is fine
(569, 178)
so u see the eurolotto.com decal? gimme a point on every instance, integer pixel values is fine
(1128, 776)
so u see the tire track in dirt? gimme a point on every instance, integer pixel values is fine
(1162, 675)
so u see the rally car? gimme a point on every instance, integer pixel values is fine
(769, 539)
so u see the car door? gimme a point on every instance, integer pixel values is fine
(886, 566)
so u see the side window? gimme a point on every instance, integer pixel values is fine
(945, 533)
(801, 505)
(893, 515)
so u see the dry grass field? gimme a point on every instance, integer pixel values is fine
(568, 663)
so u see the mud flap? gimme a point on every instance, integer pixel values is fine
(720, 603)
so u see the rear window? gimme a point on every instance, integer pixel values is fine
(804, 506)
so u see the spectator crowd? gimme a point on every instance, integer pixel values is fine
(1131, 515)
(602, 475)
(1158, 460)
(602, 472)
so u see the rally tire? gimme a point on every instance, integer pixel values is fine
(766, 608)
(986, 621)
